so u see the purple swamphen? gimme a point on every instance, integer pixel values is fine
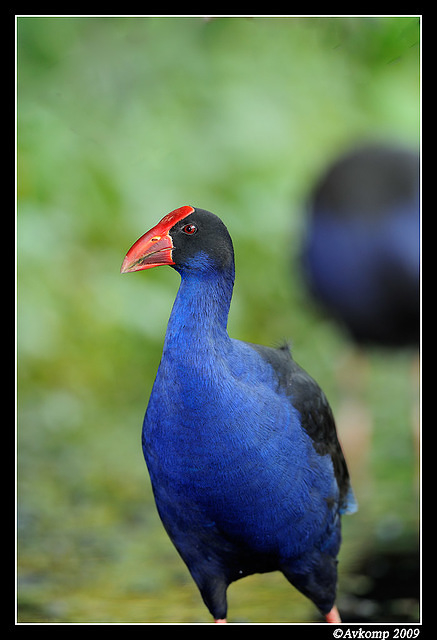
(361, 261)
(240, 442)
(361, 255)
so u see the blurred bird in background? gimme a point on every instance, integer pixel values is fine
(361, 261)
(362, 248)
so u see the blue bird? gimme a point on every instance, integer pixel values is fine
(240, 442)
(361, 255)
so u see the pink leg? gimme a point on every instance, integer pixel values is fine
(333, 616)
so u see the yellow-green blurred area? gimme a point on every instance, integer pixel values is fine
(121, 120)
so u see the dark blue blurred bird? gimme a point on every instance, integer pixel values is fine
(240, 442)
(361, 253)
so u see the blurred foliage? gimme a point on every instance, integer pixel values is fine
(121, 120)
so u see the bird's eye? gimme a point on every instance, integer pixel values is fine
(189, 229)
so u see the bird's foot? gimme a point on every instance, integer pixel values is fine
(333, 616)
(223, 620)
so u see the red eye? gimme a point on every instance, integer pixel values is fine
(189, 229)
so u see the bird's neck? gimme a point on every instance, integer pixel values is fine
(199, 317)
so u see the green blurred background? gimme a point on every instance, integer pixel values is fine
(121, 120)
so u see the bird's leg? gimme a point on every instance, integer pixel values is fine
(220, 620)
(333, 616)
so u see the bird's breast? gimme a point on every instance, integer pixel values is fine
(226, 446)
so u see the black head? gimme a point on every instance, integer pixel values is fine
(187, 239)
(201, 241)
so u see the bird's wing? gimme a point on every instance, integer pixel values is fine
(316, 415)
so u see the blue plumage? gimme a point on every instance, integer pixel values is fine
(362, 254)
(240, 443)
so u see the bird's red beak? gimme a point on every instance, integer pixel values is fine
(155, 247)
